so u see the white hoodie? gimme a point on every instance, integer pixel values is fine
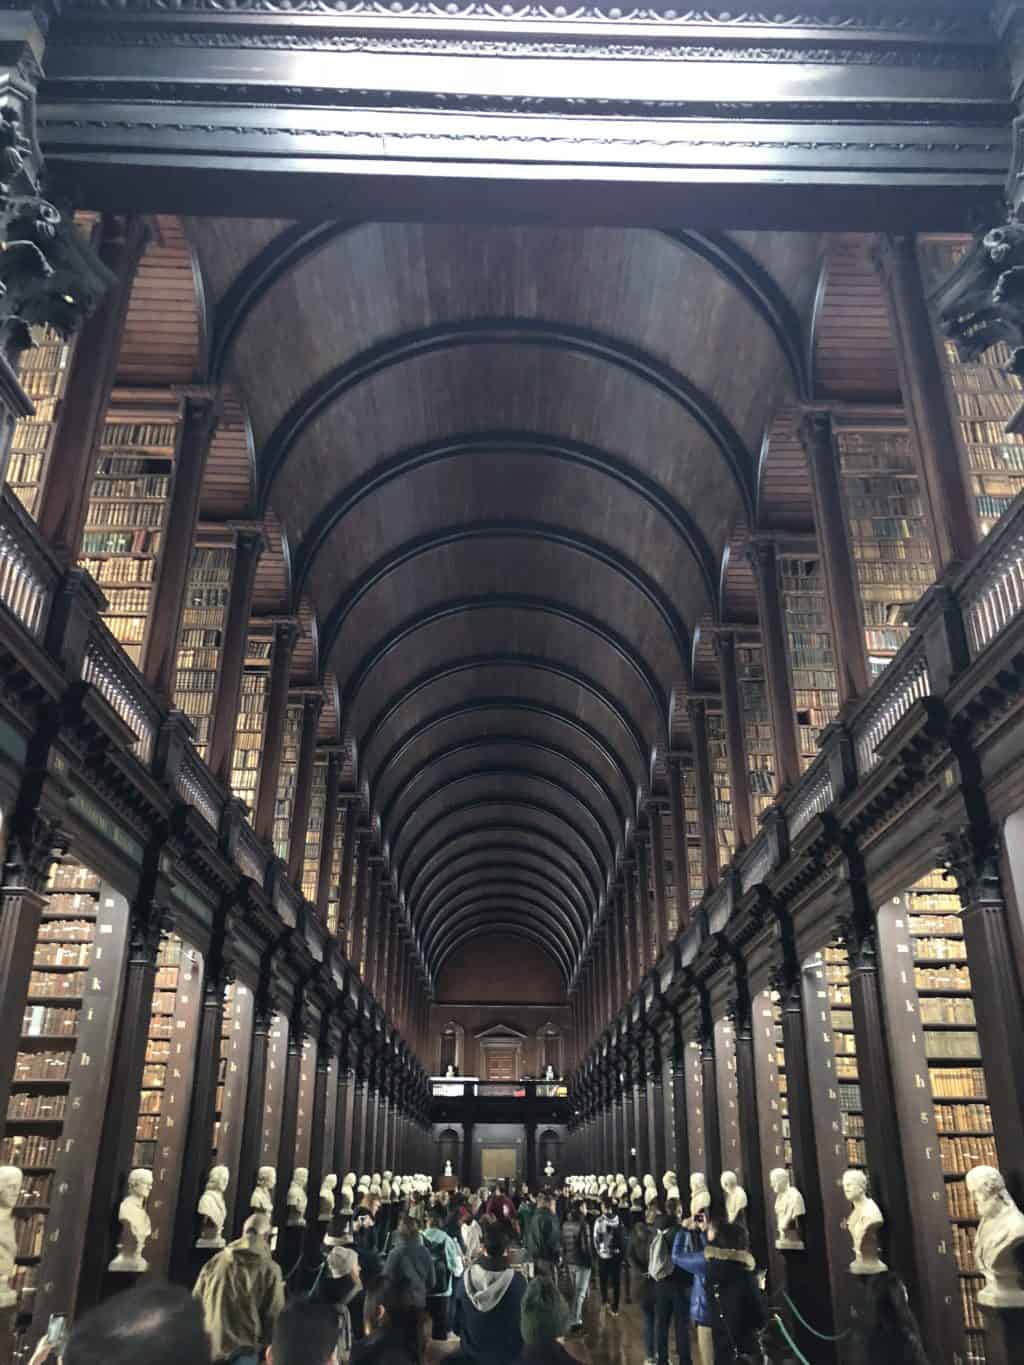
(485, 1289)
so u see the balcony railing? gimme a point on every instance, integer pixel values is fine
(106, 666)
(197, 787)
(27, 574)
(456, 1088)
(904, 682)
(992, 590)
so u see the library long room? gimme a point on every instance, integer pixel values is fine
(512, 688)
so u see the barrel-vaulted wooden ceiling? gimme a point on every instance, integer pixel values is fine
(507, 462)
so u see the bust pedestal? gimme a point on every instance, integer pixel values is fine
(448, 1182)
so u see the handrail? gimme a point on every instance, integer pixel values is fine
(250, 853)
(991, 590)
(904, 682)
(812, 797)
(756, 861)
(196, 786)
(107, 667)
(28, 576)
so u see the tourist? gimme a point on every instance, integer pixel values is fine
(241, 1291)
(638, 1255)
(339, 1285)
(542, 1238)
(725, 1302)
(392, 1327)
(492, 1294)
(544, 1321)
(409, 1264)
(608, 1243)
(672, 1288)
(305, 1333)
(154, 1322)
(447, 1265)
(470, 1235)
(578, 1257)
(500, 1206)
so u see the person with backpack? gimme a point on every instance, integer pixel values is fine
(410, 1265)
(542, 1239)
(608, 1243)
(578, 1259)
(671, 1288)
(447, 1263)
(725, 1302)
(638, 1255)
(491, 1295)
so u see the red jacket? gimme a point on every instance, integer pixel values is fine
(500, 1206)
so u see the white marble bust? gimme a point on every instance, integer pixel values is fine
(135, 1224)
(549, 1170)
(999, 1240)
(10, 1188)
(669, 1180)
(297, 1199)
(326, 1207)
(448, 1168)
(212, 1208)
(735, 1196)
(863, 1223)
(262, 1200)
(700, 1195)
(789, 1209)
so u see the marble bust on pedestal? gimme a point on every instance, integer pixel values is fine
(999, 1240)
(135, 1224)
(326, 1205)
(262, 1200)
(297, 1198)
(789, 1209)
(864, 1223)
(700, 1195)
(10, 1188)
(212, 1209)
(735, 1197)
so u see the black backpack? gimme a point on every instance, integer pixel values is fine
(442, 1275)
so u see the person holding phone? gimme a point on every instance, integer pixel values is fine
(158, 1323)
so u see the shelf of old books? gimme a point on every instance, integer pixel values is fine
(158, 1049)
(671, 896)
(127, 508)
(287, 772)
(202, 635)
(812, 664)
(955, 1069)
(889, 540)
(333, 895)
(759, 741)
(772, 1085)
(986, 397)
(252, 706)
(314, 832)
(718, 755)
(844, 1044)
(43, 371)
(695, 857)
(728, 1097)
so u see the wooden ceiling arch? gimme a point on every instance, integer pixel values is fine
(513, 859)
(504, 882)
(515, 928)
(485, 910)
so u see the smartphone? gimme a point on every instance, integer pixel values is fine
(56, 1330)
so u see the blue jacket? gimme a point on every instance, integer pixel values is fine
(688, 1255)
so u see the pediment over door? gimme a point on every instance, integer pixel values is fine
(500, 1033)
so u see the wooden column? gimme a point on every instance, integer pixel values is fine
(252, 1127)
(64, 496)
(680, 860)
(312, 705)
(928, 403)
(224, 719)
(320, 1153)
(641, 1133)
(289, 1114)
(200, 1119)
(841, 590)
(658, 863)
(773, 636)
(348, 853)
(678, 1156)
(709, 1103)
(286, 633)
(160, 656)
(343, 1158)
(359, 897)
(358, 1123)
(622, 975)
(371, 924)
(739, 777)
(705, 792)
(655, 1110)
(328, 835)
(643, 906)
(750, 1133)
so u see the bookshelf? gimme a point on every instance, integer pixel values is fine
(844, 1045)
(694, 1082)
(728, 1098)
(43, 372)
(202, 636)
(888, 530)
(718, 756)
(126, 513)
(304, 1108)
(314, 832)
(812, 664)
(759, 740)
(956, 1072)
(158, 1050)
(252, 706)
(671, 896)
(277, 1055)
(772, 1092)
(333, 902)
(694, 854)
(985, 396)
(284, 803)
(232, 1080)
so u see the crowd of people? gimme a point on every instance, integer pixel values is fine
(488, 1277)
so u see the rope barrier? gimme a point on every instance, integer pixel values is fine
(804, 1323)
(789, 1340)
